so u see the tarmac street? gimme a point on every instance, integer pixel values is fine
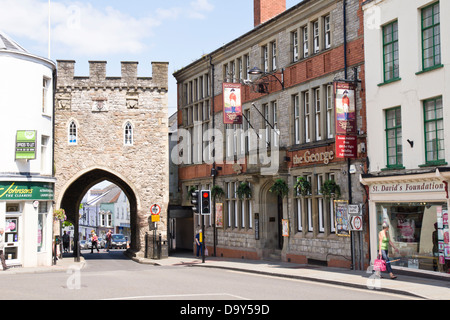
(112, 276)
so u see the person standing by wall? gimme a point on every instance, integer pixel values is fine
(2, 248)
(199, 243)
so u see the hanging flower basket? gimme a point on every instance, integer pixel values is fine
(59, 215)
(331, 189)
(244, 191)
(280, 188)
(217, 192)
(303, 186)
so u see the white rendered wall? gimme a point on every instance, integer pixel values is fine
(412, 89)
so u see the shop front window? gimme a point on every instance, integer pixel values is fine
(420, 232)
(42, 217)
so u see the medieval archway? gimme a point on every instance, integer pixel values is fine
(70, 199)
(114, 129)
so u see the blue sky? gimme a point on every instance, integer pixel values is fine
(176, 31)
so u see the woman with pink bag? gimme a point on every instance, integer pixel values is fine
(383, 245)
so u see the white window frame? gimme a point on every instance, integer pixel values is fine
(44, 153)
(273, 47)
(317, 110)
(46, 82)
(331, 176)
(305, 41)
(320, 206)
(265, 56)
(73, 127)
(316, 36)
(307, 120)
(330, 111)
(296, 107)
(327, 31)
(295, 48)
(274, 114)
(128, 134)
(309, 209)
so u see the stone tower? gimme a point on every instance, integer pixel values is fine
(115, 129)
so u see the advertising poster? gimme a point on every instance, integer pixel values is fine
(345, 108)
(219, 215)
(285, 227)
(232, 103)
(342, 218)
(26, 145)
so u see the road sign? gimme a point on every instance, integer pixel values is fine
(354, 209)
(356, 223)
(155, 211)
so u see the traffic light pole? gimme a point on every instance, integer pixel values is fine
(203, 235)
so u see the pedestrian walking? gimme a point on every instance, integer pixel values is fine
(94, 241)
(199, 243)
(383, 245)
(108, 240)
(2, 248)
(66, 241)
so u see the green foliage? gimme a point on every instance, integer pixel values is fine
(217, 192)
(280, 188)
(331, 189)
(244, 190)
(303, 186)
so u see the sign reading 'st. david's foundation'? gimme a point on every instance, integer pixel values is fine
(408, 187)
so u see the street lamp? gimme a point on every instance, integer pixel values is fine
(255, 71)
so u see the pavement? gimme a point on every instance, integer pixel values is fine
(418, 286)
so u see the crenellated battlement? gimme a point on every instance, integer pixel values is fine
(98, 79)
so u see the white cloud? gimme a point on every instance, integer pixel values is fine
(198, 8)
(80, 28)
(85, 29)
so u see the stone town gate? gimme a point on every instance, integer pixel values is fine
(115, 129)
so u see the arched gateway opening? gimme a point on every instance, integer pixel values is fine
(72, 195)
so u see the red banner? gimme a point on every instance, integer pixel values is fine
(346, 147)
(232, 103)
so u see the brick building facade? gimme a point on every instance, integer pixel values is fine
(288, 132)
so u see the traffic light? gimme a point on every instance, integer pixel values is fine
(194, 201)
(205, 202)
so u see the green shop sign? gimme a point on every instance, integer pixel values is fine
(26, 191)
(26, 145)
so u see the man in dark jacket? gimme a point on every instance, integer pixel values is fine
(2, 248)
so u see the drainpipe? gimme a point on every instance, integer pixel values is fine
(344, 13)
(349, 178)
(214, 150)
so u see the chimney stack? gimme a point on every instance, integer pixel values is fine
(265, 10)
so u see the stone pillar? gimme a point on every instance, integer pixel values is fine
(129, 71)
(97, 71)
(160, 74)
(65, 71)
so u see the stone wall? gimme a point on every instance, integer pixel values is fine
(101, 107)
